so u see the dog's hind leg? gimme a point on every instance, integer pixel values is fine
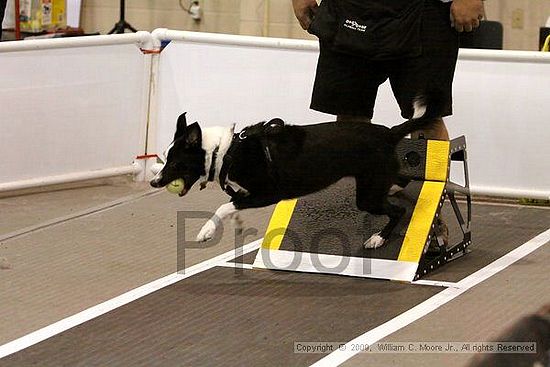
(372, 197)
(395, 213)
(400, 183)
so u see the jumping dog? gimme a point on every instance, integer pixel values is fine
(271, 161)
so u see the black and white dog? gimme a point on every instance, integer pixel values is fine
(269, 162)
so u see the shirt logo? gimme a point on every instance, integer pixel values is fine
(353, 25)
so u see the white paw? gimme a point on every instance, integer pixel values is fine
(207, 232)
(374, 241)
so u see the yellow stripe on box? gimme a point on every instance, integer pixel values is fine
(546, 46)
(278, 223)
(421, 221)
(437, 160)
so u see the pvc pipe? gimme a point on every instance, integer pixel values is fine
(504, 55)
(70, 177)
(504, 192)
(142, 39)
(163, 34)
(158, 35)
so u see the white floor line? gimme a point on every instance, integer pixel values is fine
(102, 308)
(237, 265)
(436, 283)
(340, 356)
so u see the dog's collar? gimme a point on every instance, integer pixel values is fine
(212, 171)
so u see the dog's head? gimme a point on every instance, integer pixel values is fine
(185, 157)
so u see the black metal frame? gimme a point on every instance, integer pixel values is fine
(432, 260)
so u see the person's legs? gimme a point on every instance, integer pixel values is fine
(346, 85)
(437, 131)
(432, 71)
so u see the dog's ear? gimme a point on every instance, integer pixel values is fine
(181, 126)
(194, 134)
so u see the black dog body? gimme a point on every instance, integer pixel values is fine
(310, 158)
(294, 161)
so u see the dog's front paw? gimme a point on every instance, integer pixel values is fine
(207, 232)
(374, 241)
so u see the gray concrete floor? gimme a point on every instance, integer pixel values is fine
(478, 315)
(51, 272)
(27, 208)
(66, 250)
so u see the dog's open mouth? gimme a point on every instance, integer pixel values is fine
(182, 193)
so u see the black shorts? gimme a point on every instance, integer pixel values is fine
(347, 85)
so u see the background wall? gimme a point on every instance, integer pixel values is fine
(275, 18)
(521, 20)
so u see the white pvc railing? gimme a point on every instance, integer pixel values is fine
(223, 79)
(504, 55)
(72, 109)
(141, 39)
(163, 34)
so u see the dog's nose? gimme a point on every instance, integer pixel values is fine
(157, 180)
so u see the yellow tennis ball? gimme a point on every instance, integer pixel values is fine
(176, 186)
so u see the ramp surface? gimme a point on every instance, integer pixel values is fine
(324, 233)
